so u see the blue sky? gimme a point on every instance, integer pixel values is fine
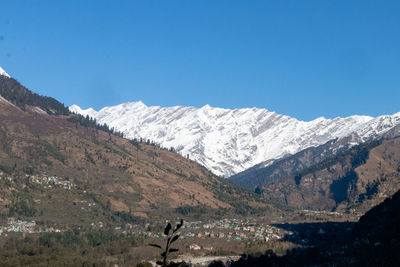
(301, 58)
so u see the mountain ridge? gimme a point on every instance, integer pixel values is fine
(271, 171)
(353, 181)
(120, 176)
(228, 141)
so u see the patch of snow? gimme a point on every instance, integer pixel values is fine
(85, 112)
(39, 110)
(4, 73)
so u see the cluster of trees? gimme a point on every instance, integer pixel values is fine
(17, 94)
(358, 156)
(126, 217)
(185, 210)
(70, 248)
(22, 207)
(89, 122)
(378, 233)
(136, 141)
(340, 188)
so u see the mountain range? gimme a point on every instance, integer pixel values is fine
(229, 141)
(308, 165)
(67, 171)
(53, 163)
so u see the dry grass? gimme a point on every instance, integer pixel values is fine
(131, 178)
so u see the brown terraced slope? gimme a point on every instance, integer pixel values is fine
(40, 138)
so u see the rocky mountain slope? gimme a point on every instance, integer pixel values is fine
(353, 181)
(271, 171)
(230, 141)
(378, 234)
(381, 223)
(53, 164)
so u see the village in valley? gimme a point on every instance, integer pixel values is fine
(201, 237)
(47, 181)
(225, 229)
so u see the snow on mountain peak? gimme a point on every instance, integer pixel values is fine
(4, 73)
(228, 141)
(85, 112)
(134, 104)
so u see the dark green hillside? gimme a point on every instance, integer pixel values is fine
(381, 223)
(373, 241)
(17, 94)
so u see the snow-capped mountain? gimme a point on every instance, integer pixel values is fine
(4, 73)
(229, 141)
